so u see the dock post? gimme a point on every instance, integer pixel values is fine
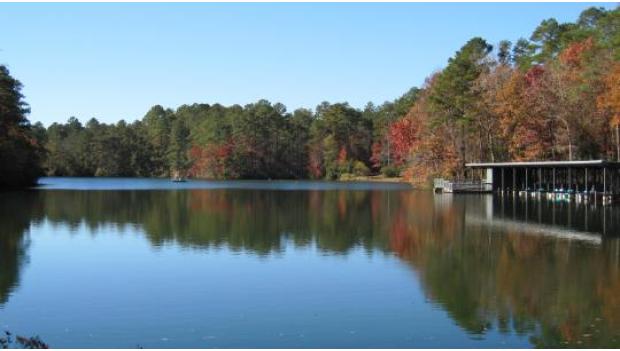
(526, 181)
(604, 184)
(514, 179)
(553, 171)
(604, 218)
(503, 181)
(576, 182)
(595, 185)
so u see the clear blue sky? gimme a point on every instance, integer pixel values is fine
(114, 61)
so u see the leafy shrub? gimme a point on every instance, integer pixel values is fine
(332, 172)
(360, 169)
(346, 177)
(390, 171)
(9, 341)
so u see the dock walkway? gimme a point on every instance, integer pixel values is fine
(445, 186)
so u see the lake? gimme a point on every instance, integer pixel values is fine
(151, 263)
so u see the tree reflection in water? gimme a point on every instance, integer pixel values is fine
(16, 214)
(560, 291)
(532, 268)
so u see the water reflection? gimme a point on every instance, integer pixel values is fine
(546, 270)
(483, 261)
(251, 220)
(17, 210)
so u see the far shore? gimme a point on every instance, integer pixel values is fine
(375, 178)
(346, 178)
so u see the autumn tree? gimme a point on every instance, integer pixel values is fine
(609, 102)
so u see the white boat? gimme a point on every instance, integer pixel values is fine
(177, 178)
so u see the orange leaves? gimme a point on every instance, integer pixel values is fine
(402, 136)
(548, 111)
(573, 55)
(315, 162)
(210, 161)
(428, 150)
(609, 100)
(376, 152)
(525, 120)
(342, 155)
(533, 77)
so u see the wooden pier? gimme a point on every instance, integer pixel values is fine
(444, 186)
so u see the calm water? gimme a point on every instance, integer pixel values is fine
(121, 263)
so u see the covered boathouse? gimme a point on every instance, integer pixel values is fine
(580, 180)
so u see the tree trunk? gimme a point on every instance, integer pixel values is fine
(490, 141)
(570, 141)
(570, 146)
(463, 150)
(480, 149)
(618, 141)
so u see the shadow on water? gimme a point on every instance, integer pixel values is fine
(549, 271)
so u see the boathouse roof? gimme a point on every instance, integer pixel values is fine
(567, 164)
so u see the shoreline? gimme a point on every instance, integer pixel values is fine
(376, 178)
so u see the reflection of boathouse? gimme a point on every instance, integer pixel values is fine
(542, 218)
(582, 181)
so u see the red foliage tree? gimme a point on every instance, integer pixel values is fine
(211, 161)
(376, 156)
(402, 136)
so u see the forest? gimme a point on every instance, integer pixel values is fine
(554, 96)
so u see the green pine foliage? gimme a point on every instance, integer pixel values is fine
(20, 153)
(257, 141)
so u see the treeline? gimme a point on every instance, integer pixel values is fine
(260, 140)
(554, 96)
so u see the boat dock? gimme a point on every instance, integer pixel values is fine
(593, 181)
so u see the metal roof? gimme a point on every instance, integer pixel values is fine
(584, 163)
